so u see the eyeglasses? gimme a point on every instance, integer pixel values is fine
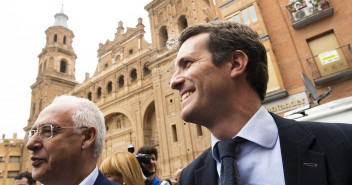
(46, 131)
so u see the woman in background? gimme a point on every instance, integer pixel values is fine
(123, 168)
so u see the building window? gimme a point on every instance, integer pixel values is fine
(99, 92)
(121, 81)
(109, 87)
(2, 158)
(327, 56)
(252, 14)
(174, 132)
(14, 159)
(245, 16)
(130, 51)
(12, 174)
(64, 40)
(63, 66)
(146, 70)
(133, 75)
(90, 96)
(237, 18)
(106, 66)
(199, 130)
(182, 23)
(163, 36)
(117, 58)
(55, 38)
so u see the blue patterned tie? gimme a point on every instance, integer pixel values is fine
(227, 151)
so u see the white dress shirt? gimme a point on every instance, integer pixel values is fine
(91, 178)
(259, 160)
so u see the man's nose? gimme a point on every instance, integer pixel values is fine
(176, 81)
(34, 143)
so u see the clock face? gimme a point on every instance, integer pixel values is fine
(171, 43)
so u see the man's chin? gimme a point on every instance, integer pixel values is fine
(38, 173)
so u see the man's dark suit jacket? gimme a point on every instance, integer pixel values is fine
(101, 180)
(312, 153)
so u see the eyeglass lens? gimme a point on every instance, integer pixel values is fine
(44, 131)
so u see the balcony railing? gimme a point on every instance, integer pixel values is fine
(304, 12)
(331, 65)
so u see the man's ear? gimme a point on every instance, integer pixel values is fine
(239, 61)
(90, 135)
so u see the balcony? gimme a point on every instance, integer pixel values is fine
(333, 65)
(305, 12)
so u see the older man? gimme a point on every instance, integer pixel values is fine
(66, 141)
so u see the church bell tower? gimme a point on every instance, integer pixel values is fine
(56, 72)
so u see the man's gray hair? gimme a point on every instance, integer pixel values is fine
(87, 114)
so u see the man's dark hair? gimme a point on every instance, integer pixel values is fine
(148, 150)
(27, 175)
(226, 37)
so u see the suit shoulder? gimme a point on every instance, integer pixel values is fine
(199, 161)
(187, 176)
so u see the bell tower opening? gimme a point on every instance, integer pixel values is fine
(63, 66)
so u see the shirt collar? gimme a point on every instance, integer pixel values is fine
(261, 129)
(91, 178)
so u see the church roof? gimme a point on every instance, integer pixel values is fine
(61, 18)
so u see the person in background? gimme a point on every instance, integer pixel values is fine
(177, 175)
(221, 74)
(166, 182)
(124, 168)
(24, 178)
(66, 141)
(149, 170)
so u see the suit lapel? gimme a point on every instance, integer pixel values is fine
(207, 174)
(301, 164)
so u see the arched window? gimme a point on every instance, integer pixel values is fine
(133, 75)
(90, 96)
(118, 58)
(182, 23)
(163, 36)
(55, 38)
(64, 41)
(63, 66)
(109, 87)
(146, 70)
(99, 92)
(121, 81)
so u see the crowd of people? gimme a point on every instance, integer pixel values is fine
(221, 74)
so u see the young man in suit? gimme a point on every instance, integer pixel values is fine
(66, 141)
(221, 74)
